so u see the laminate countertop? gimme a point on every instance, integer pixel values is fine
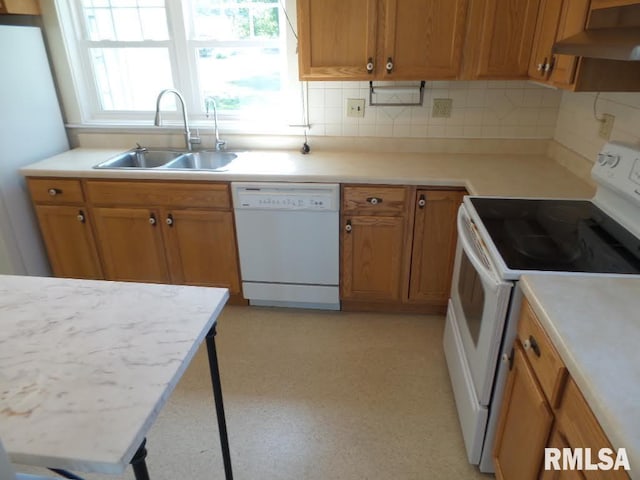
(528, 175)
(86, 365)
(594, 323)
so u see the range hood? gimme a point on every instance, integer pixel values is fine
(604, 43)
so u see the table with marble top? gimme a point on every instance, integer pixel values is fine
(86, 366)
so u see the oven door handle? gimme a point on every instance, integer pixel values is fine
(487, 274)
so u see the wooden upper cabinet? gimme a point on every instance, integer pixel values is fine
(25, 7)
(380, 39)
(337, 38)
(499, 39)
(422, 39)
(557, 19)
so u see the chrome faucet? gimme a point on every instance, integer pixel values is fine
(189, 140)
(210, 102)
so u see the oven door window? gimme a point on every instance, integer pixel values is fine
(471, 295)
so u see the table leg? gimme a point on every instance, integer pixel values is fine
(138, 463)
(217, 395)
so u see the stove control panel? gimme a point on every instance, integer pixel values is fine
(618, 169)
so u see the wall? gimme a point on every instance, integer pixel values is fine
(576, 135)
(578, 130)
(481, 109)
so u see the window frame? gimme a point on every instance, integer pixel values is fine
(185, 75)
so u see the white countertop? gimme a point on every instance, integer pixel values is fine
(86, 366)
(482, 174)
(594, 323)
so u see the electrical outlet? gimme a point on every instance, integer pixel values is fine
(355, 107)
(606, 125)
(442, 107)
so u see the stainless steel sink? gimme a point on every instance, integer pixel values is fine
(202, 160)
(141, 159)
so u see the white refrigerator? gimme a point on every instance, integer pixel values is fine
(31, 129)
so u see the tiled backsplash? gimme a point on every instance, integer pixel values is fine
(577, 128)
(481, 109)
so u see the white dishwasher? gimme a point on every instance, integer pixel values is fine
(288, 242)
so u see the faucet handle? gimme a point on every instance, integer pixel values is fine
(220, 144)
(140, 148)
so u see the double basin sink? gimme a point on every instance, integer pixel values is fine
(138, 158)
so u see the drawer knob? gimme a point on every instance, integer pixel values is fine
(532, 344)
(422, 202)
(54, 191)
(80, 216)
(374, 200)
(169, 220)
(348, 227)
(389, 65)
(152, 220)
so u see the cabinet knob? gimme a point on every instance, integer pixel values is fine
(374, 200)
(531, 343)
(80, 216)
(54, 191)
(169, 220)
(348, 227)
(370, 65)
(422, 201)
(389, 65)
(152, 220)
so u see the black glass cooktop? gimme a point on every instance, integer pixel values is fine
(558, 235)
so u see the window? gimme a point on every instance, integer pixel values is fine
(232, 50)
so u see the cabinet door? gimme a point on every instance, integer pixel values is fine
(434, 243)
(572, 20)
(556, 440)
(337, 39)
(524, 424)
(69, 241)
(423, 39)
(500, 38)
(130, 240)
(372, 257)
(201, 248)
(26, 7)
(546, 32)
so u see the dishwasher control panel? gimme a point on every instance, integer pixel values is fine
(286, 196)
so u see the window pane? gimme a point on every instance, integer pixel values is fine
(125, 20)
(235, 20)
(131, 78)
(245, 79)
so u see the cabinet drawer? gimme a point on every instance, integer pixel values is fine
(163, 194)
(374, 200)
(541, 354)
(55, 190)
(581, 428)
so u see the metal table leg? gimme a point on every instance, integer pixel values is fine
(217, 395)
(138, 462)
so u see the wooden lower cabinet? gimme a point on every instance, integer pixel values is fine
(534, 416)
(201, 248)
(372, 258)
(524, 426)
(69, 240)
(174, 241)
(130, 242)
(398, 245)
(434, 241)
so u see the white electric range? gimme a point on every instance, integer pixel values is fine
(499, 239)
